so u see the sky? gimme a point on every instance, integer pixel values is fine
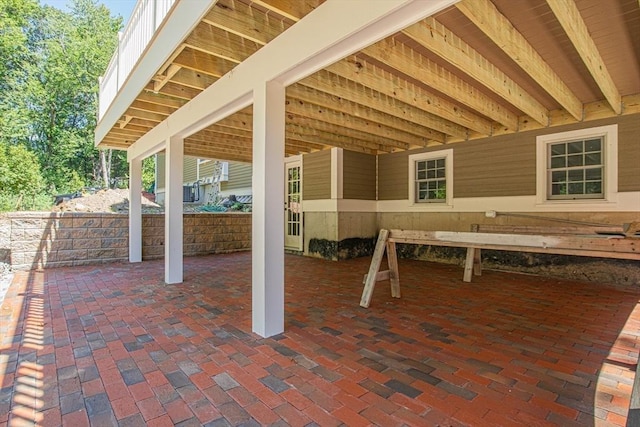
(117, 7)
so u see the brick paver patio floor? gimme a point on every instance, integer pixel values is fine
(113, 345)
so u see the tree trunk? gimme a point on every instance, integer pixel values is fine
(105, 169)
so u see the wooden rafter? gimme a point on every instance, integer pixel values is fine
(291, 9)
(162, 79)
(204, 63)
(569, 17)
(498, 28)
(443, 42)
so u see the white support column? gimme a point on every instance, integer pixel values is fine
(268, 209)
(173, 232)
(135, 210)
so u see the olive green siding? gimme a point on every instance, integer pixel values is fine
(189, 172)
(505, 165)
(239, 177)
(206, 169)
(160, 173)
(316, 175)
(358, 176)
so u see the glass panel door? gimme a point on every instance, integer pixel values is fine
(293, 207)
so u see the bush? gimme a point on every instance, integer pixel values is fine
(31, 202)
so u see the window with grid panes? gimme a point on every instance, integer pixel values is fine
(576, 169)
(431, 181)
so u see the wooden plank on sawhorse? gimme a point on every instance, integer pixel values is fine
(374, 275)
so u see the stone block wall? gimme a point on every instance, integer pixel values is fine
(35, 240)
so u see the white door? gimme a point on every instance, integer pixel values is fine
(293, 207)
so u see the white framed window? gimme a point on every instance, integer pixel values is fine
(431, 178)
(578, 166)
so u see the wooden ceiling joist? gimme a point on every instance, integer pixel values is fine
(302, 93)
(411, 63)
(391, 85)
(485, 15)
(222, 44)
(438, 39)
(201, 62)
(193, 79)
(569, 17)
(242, 20)
(423, 86)
(354, 92)
(338, 118)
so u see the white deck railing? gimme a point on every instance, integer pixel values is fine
(145, 19)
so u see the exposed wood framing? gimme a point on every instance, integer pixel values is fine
(569, 16)
(421, 87)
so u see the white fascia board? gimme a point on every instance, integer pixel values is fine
(182, 19)
(300, 51)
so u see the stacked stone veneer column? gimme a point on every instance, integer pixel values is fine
(39, 240)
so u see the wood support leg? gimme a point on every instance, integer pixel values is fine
(370, 283)
(394, 276)
(468, 264)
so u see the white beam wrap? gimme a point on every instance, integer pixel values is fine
(135, 210)
(173, 210)
(268, 212)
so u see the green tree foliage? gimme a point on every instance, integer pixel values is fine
(49, 86)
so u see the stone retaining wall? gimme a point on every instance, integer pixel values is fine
(35, 240)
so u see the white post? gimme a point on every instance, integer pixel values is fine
(135, 210)
(173, 210)
(268, 210)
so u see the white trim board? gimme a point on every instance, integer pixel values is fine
(626, 202)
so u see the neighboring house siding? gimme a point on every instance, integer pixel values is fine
(505, 165)
(239, 177)
(316, 175)
(206, 169)
(189, 172)
(359, 175)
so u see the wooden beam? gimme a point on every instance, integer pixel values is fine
(145, 115)
(245, 21)
(177, 91)
(161, 99)
(569, 17)
(222, 44)
(338, 129)
(204, 63)
(193, 79)
(161, 79)
(391, 85)
(125, 121)
(291, 9)
(440, 40)
(341, 88)
(485, 15)
(153, 108)
(406, 60)
(315, 136)
(302, 93)
(316, 112)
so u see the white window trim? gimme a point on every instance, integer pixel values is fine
(448, 164)
(610, 153)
